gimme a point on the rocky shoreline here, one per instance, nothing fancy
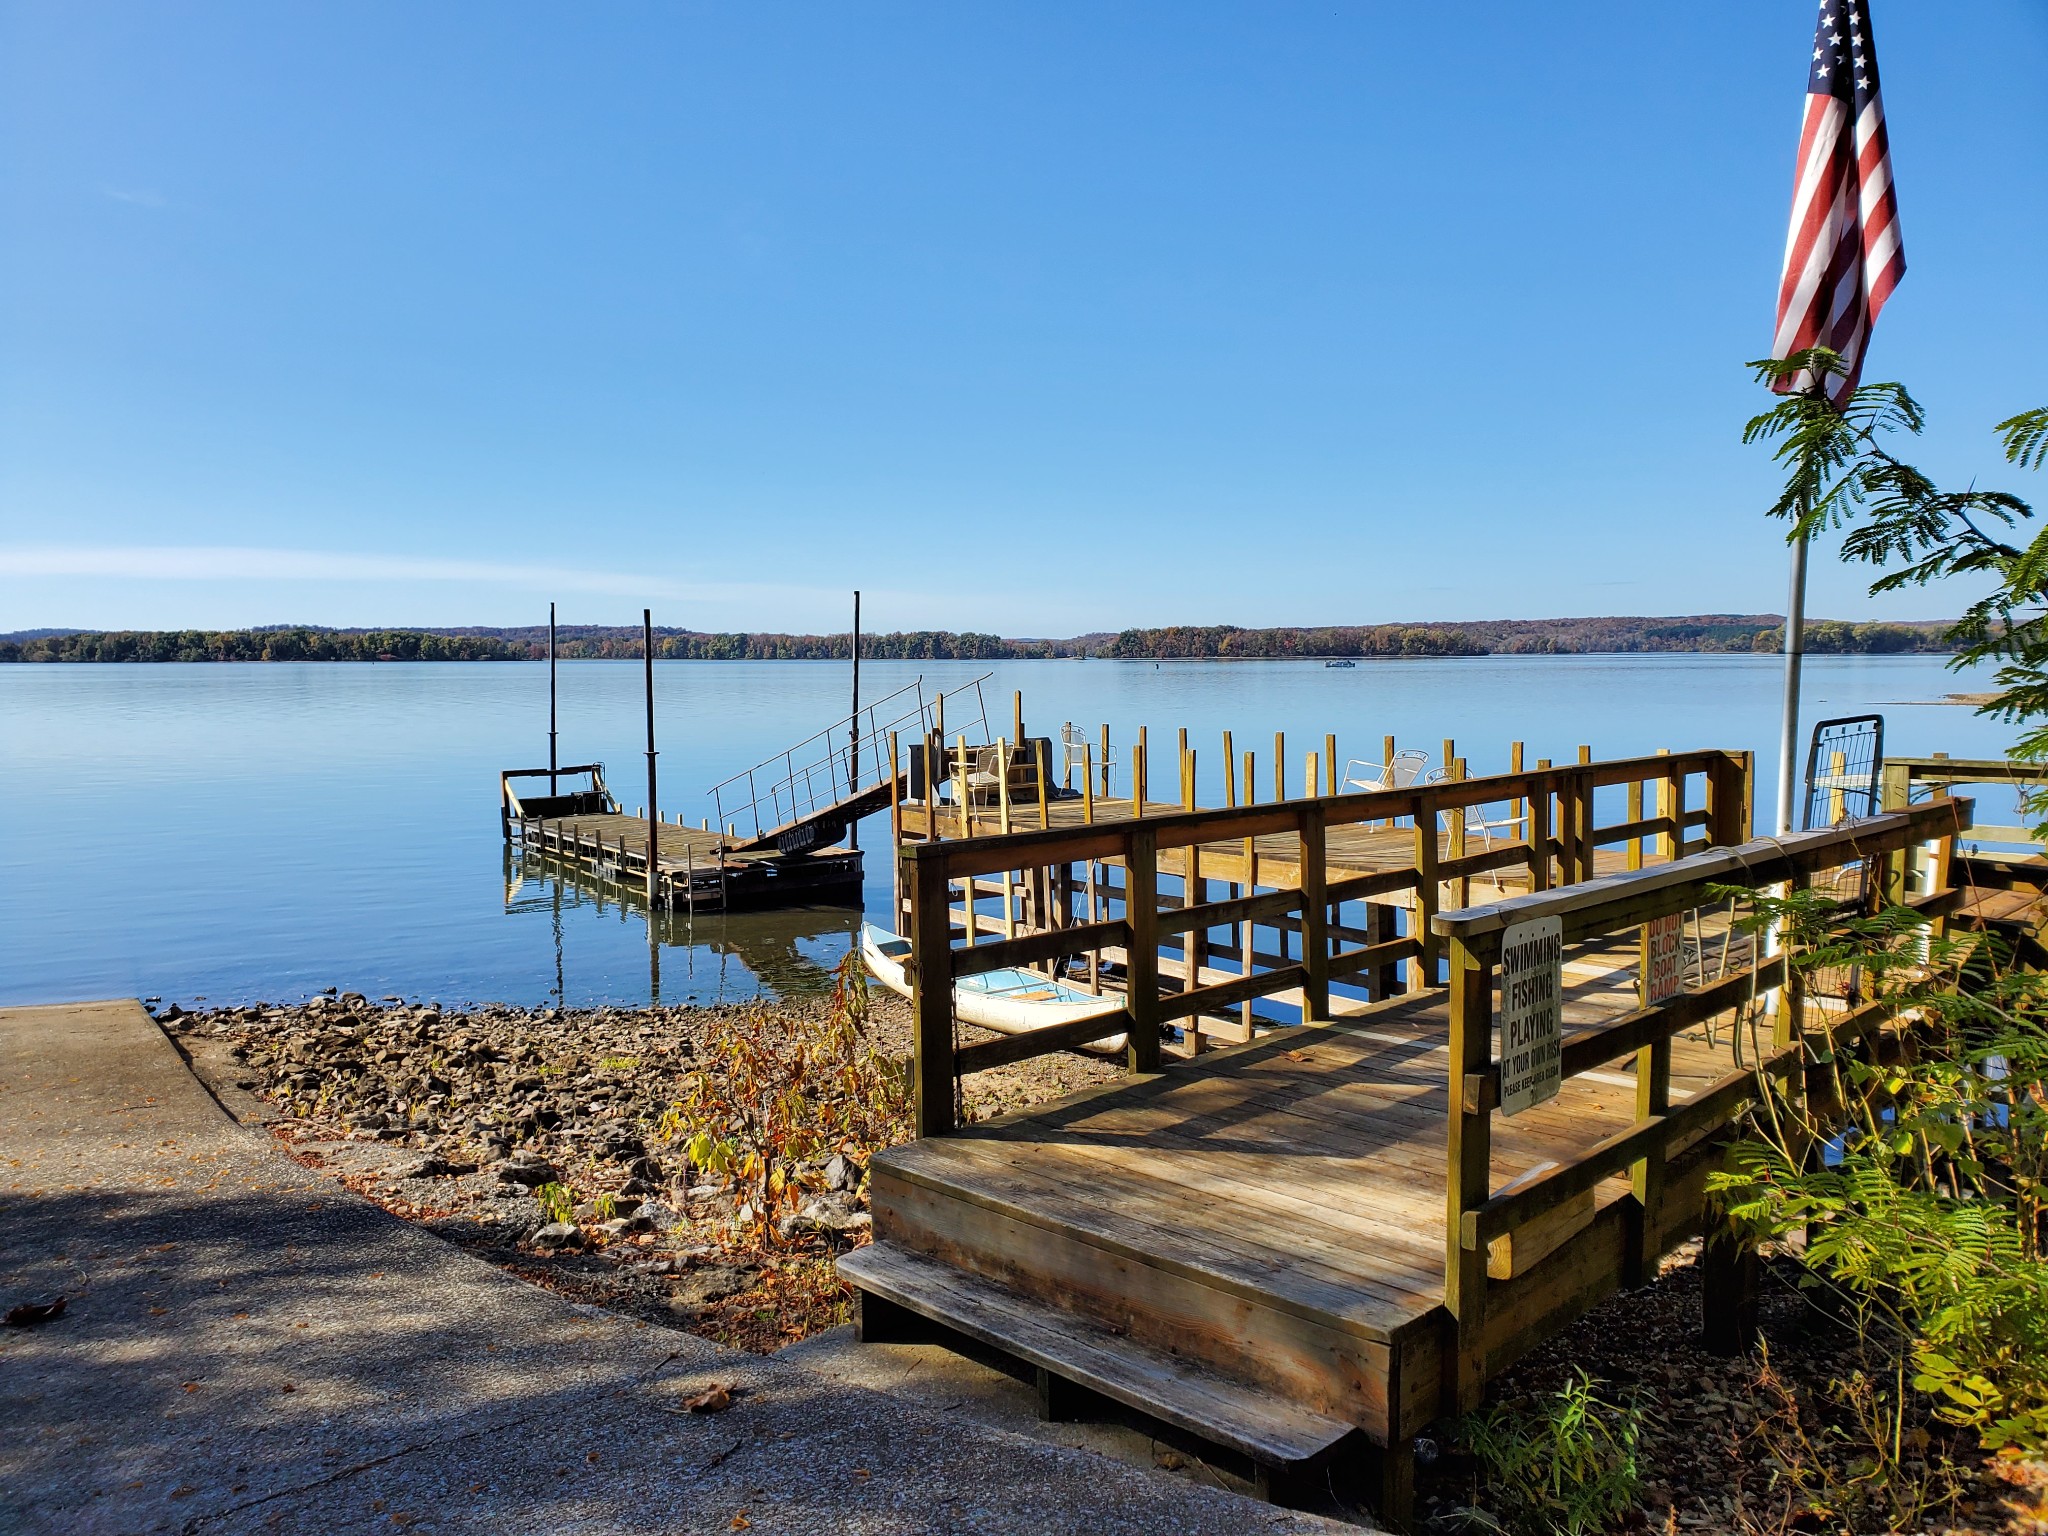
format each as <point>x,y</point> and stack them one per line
<point>543,1139</point>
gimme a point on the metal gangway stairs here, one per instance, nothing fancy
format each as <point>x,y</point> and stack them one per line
<point>812,794</point>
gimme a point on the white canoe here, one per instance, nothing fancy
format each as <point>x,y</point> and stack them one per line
<point>1010,1002</point>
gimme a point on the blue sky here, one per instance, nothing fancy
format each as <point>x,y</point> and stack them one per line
<point>1038,319</point>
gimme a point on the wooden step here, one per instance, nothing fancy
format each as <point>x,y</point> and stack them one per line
<point>1260,1425</point>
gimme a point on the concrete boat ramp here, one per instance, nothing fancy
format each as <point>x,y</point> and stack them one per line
<point>248,1347</point>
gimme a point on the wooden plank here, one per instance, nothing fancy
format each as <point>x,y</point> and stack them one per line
<point>1004,1049</point>
<point>1258,1424</point>
<point>1215,999</point>
<point>1029,948</point>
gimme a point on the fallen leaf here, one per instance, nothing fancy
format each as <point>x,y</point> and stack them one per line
<point>740,1522</point>
<point>715,1398</point>
<point>189,1386</point>
<point>1297,1055</point>
<point>289,1387</point>
<point>29,1313</point>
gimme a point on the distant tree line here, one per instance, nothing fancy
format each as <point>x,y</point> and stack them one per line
<point>1711,632</point>
<point>1227,641</point>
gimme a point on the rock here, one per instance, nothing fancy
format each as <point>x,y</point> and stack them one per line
<point>558,1234</point>
<point>645,1169</point>
<point>831,1215</point>
<point>711,1283</point>
<point>425,1168</point>
<point>531,1175</point>
<point>839,1173</point>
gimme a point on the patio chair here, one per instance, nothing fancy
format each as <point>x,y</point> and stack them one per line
<point>1075,752</point>
<point>1362,777</point>
<point>985,777</point>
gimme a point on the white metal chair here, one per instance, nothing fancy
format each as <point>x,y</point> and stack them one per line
<point>1076,752</point>
<point>985,778</point>
<point>1362,777</point>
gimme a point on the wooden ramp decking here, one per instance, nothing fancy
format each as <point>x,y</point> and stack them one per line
<point>1307,1247</point>
<point>1251,1245</point>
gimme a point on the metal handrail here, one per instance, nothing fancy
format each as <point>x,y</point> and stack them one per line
<point>794,791</point>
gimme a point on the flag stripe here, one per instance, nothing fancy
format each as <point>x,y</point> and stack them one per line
<point>1843,251</point>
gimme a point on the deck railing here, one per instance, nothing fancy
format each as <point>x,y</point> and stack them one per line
<point>1557,847</point>
<point>1665,1148</point>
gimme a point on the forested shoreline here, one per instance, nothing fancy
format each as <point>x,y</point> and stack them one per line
<point>1724,633</point>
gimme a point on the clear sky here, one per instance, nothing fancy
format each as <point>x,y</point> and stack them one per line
<point>1034,318</point>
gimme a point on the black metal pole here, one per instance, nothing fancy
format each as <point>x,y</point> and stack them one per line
<point>653,799</point>
<point>554,788</point>
<point>853,735</point>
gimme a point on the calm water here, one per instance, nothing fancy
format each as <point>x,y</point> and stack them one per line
<point>259,832</point>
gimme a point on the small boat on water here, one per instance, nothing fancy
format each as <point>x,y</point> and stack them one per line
<point>1009,1002</point>
<point>1340,662</point>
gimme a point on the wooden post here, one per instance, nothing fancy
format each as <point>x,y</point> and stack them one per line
<point>1017,717</point>
<point>1310,774</point>
<point>1330,763</point>
<point>1468,1183</point>
<point>1519,808</point>
<point>1635,813</point>
<point>1105,761</point>
<point>1003,824</point>
<point>1540,831</point>
<point>1248,930</point>
<point>1279,766</point>
<point>1187,779</point>
<point>960,767</point>
<point>1458,847</point>
<point>1088,820</point>
<point>1428,895</point>
<point>1229,773</point>
<point>1066,758</point>
<point>895,837</point>
<point>1140,785</point>
<point>1141,969</point>
<point>1728,1276</point>
<point>931,988</point>
<point>1315,913</point>
<point>1194,893</point>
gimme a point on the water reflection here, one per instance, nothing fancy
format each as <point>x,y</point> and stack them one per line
<point>707,957</point>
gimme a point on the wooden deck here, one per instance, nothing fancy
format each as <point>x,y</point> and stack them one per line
<point>1275,1210</point>
<point>1305,1248</point>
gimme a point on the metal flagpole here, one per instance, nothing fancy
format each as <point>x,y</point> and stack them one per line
<point>554,788</point>
<point>653,799</point>
<point>853,735</point>
<point>1795,653</point>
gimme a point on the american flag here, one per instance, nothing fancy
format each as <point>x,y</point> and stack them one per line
<point>1843,255</point>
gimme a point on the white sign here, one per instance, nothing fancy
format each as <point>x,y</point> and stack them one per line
<point>1663,958</point>
<point>1531,1012</point>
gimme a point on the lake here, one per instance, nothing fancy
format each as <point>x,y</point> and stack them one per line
<point>237,833</point>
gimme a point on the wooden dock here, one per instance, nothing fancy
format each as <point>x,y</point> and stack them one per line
<point>1303,1248</point>
<point>696,869</point>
